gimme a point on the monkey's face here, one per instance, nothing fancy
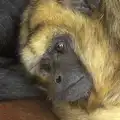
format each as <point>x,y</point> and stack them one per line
<point>69,79</point>
<point>52,52</point>
<point>65,74</point>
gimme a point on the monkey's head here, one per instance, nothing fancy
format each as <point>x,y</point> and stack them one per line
<point>59,67</point>
<point>62,48</point>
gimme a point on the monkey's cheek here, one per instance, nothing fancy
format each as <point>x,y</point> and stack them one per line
<point>79,91</point>
<point>45,77</point>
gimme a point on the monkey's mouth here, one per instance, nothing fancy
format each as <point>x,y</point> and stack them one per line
<point>79,90</point>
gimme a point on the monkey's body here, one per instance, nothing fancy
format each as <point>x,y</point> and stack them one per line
<point>42,21</point>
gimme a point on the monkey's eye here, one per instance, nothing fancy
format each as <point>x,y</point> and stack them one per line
<point>60,47</point>
<point>45,65</point>
<point>58,79</point>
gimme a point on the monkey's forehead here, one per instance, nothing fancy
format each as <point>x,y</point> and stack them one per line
<point>52,13</point>
<point>56,20</point>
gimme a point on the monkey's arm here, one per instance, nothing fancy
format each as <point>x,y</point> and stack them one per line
<point>107,113</point>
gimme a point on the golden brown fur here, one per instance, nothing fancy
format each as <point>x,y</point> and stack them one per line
<point>91,45</point>
<point>110,12</point>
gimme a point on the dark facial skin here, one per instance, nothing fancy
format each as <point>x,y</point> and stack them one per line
<point>85,6</point>
<point>69,79</point>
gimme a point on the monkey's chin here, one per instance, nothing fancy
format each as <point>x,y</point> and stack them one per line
<point>73,98</point>
<point>76,91</point>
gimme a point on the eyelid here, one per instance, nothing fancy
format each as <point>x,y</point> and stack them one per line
<point>45,64</point>
<point>60,47</point>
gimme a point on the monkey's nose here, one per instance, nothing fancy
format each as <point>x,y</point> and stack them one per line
<point>58,79</point>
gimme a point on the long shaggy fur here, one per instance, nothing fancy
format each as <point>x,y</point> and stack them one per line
<point>41,21</point>
<point>110,12</point>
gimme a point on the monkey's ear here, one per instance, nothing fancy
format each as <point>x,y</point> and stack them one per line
<point>85,6</point>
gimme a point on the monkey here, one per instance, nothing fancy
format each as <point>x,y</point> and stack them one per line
<point>57,104</point>
<point>71,114</point>
<point>55,42</point>
<point>10,12</point>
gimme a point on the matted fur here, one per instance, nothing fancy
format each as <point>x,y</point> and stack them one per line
<point>44,19</point>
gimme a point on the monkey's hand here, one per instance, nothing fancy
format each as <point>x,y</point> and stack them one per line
<point>66,112</point>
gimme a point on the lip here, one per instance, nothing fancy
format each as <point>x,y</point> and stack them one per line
<point>76,91</point>
<point>82,77</point>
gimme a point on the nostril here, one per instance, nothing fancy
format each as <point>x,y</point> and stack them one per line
<point>58,79</point>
